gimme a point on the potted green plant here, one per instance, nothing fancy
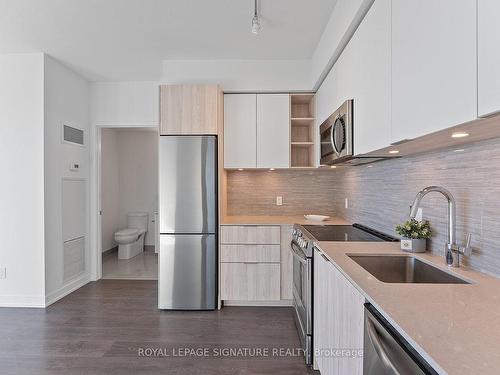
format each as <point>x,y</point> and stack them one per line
<point>414,235</point>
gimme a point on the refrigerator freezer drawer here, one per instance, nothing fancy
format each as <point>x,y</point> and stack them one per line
<point>187,272</point>
<point>188,184</point>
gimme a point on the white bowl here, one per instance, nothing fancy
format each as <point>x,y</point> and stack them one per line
<point>316,217</point>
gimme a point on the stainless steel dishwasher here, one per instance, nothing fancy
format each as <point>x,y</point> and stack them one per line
<point>386,352</point>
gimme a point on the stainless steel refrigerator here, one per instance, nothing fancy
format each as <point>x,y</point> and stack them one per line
<point>187,278</point>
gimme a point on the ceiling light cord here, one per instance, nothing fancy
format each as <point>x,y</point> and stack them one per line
<point>256,26</point>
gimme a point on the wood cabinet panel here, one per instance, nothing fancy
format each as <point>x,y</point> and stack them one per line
<point>250,234</point>
<point>250,253</point>
<point>286,262</point>
<point>250,281</point>
<point>338,320</point>
<point>189,109</point>
<point>346,304</point>
<point>320,312</point>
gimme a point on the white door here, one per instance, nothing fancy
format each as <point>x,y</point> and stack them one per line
<point>273,131</point>
<point>240,132</point>
<point>433,66</point>
<point>488,57</point>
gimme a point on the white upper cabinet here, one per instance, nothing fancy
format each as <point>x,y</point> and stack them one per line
<point>256,131</point>
<point>273,131</point>
<point>370,66</point>
<point>363,73</point>
<point>488,57</point>
<point>240,136</point>
<point>433,65</point>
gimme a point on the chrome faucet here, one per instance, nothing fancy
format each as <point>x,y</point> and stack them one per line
<point>452,250</point>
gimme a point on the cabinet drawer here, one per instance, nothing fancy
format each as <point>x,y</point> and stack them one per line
<point>250,281</point>
<point>250,253</point>
<point>250,234</point>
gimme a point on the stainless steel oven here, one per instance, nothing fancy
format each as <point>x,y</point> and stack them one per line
<point>302,297</point>
<point>336,135</point>
<point>302,246</point>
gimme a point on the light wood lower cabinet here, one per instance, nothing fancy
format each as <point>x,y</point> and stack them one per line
<point>250,234</point>
<point>338,320</point>
<point>250,253</point>
<point>256,263</point>
<point>250,281</point>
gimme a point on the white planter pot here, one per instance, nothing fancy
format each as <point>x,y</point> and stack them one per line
<point>414,245</point>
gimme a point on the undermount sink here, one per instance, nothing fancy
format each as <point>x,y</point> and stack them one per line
<point>404,269</point>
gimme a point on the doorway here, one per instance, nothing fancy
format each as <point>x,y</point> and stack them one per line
<point>128,201</point>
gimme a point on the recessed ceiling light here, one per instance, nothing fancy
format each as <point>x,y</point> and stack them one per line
<point>333,166</point>
<point>459,150</point>
<point>370,166</point>
<point>240,169</point>
<point>271,169</point>
<point>394,152</point>
<point>459,135</point>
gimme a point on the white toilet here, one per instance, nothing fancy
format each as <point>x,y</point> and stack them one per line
<point>131,240</point>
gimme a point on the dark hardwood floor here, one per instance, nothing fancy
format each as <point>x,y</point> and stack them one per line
<point>114,327</point>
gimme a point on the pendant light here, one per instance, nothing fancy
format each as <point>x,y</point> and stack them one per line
<point>256,26</point>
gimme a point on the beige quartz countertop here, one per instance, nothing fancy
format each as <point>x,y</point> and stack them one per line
<point>276,220</point>
<point>456,328</point>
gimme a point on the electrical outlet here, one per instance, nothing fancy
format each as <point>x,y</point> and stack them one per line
<point>279,200</point>
<point>3,273</point>
<point>347,203</point>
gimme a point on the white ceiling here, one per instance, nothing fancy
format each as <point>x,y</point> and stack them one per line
<point>128,39</point>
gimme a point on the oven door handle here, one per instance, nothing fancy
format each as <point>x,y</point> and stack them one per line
<point>297,253</point>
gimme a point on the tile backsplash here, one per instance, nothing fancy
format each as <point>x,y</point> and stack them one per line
<point>380,196</point>
<point>254,192</point>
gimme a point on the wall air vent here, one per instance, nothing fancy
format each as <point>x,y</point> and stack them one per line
<point>73,135</point>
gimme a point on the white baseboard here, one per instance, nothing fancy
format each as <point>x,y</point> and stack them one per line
<point>281,303</point>
<point>22,301</point>
<point>67,289</point>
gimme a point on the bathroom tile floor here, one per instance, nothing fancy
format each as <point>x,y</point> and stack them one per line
<point>141,267</point>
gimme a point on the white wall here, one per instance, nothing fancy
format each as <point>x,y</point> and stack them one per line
<point>110,200</point>
<point>22,186</point>
<point>66,102</point>
<point>129,170</point>
<point>124,103</point>
<point>241,75</point>
<point>344,20</point>
<point>115,105</point>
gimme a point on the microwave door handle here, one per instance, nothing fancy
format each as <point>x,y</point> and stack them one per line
<point>379,348</point>
<point>332,140</point>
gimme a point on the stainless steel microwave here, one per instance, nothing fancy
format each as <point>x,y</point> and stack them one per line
<point>336,135</point>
